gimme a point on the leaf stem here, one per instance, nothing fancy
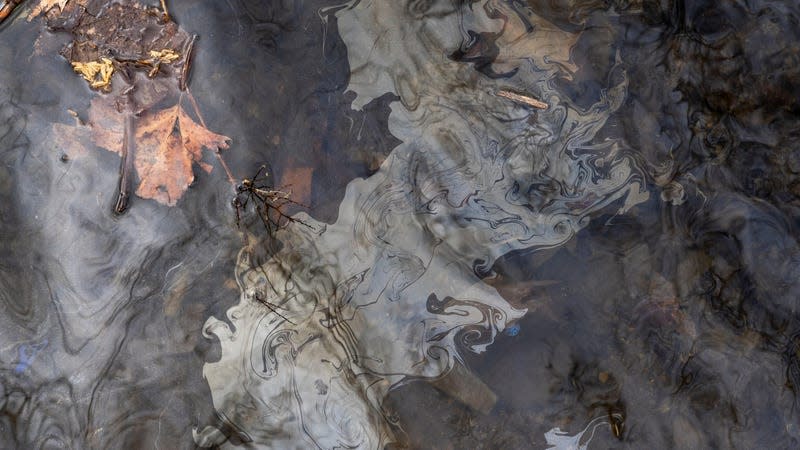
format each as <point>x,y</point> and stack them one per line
<point>126,169</point>
<point>166,12</point>
<point>203,123</point>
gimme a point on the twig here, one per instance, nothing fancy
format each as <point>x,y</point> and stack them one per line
<point>203,122</point>
<point>273,308</point>
<point>521,98</point>
<point>166,12</point>
<point>269,202</point>
<point>187,63</point>
<point>126,169</point>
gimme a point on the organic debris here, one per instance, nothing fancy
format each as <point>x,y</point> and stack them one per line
<point>521,98</point>
<point>96,73</point>
<point>168,143</point>
<point>269,201</point>
<point>132,36</point>
<point>139,60</point>
<point>7,7</point>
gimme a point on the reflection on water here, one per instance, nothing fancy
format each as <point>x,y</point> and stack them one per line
<point>618,269</point>
<point>381,297</point>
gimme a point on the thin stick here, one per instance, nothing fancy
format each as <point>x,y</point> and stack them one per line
<point>164,8</point>
<point>272,308</point>
<point>126,169</point>
<point>203,122</point>
<point>520,98</point>
<point>255,178</point>
<point>187,63</point>
<point>7,7</point>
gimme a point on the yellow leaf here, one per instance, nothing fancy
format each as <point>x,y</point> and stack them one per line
<point>96,73</point>
<point>165,56</point>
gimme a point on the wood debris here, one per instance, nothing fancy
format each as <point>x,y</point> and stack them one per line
<point>522,98</point>
<point>7,7</point>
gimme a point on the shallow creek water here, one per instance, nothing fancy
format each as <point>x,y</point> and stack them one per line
<point>617,270</point>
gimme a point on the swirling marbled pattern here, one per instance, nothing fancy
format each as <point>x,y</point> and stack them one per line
<point>392,290</point>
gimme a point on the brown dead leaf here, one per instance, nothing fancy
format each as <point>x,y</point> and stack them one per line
<point>168,142</point>
<point>129,34</point>
<point>106,124</point>
<point>149,56</point>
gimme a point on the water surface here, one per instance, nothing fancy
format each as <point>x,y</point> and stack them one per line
<point>476,274</point>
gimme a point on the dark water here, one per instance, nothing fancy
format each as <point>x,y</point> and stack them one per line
<point>652,239</point>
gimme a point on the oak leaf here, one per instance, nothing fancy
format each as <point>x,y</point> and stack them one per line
<point>168,143</point>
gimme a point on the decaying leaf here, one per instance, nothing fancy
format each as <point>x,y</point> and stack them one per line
<point>168,143</point>
<point>133,36</point>
<point>140,59</point>
<point>164,56</point>
<point>96,73</point>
